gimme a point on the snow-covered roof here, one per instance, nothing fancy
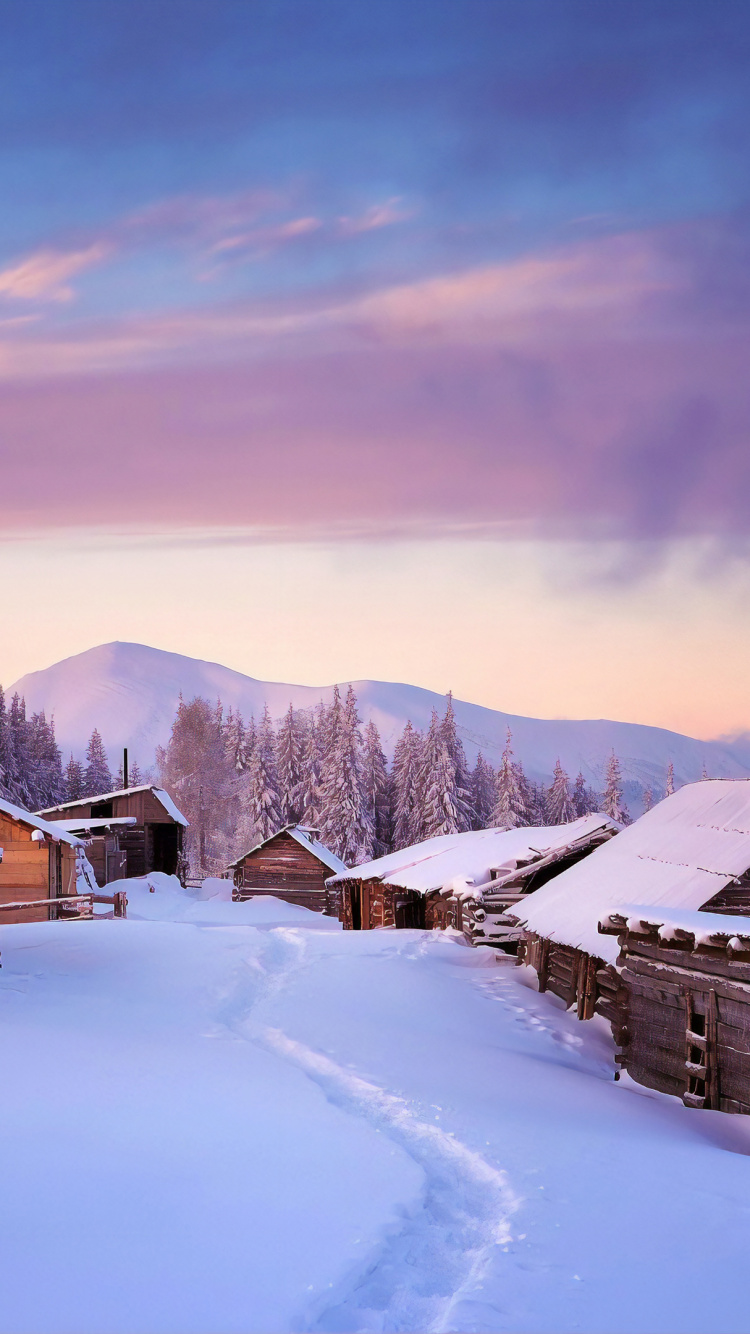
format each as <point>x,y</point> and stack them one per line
<point>52,829</point>
<point>94,823</point>
<point>438,862</point>
<point>158,792</point>
<point>304,837</point>
<point>705,928</point>
<point>678,855</point>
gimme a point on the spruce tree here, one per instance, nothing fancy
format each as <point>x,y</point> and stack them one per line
<point>290,748</point>
<point>510,808</point>
<point>75,779</point>
<point>648,799</point>
<point>9,786</point>
<point>98,776</point>
<point>346,825</point>
<point>439,808</point>
<point>312,762</point>
<point>19,731</point>
<point>377,790</point>
<point>560,808</point>
<point>263,786</point>
<point>404,782</point>
<point>612,804</point>
<point>670,780</point>
<point>44,763</point>
<point>483,797</point>
<point>461,794</point>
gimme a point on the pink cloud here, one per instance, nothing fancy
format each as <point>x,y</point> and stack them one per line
<point>43,275</point>
<point>378,215</point>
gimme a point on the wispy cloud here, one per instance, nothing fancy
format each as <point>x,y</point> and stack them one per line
<point>45,274</point>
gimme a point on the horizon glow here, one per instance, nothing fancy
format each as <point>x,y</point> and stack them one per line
<point>434,317</point>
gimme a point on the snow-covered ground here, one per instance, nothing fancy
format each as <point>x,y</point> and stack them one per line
<point>235,1117</point>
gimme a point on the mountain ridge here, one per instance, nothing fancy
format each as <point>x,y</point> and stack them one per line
<point>130,692</point>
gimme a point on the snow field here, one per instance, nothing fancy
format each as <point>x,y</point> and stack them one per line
<point>235,1117</point>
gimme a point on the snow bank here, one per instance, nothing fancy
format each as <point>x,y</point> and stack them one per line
<point>161,898</point>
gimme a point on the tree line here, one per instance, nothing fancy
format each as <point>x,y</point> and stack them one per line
<point>31,767</point>
<point>238,783</point>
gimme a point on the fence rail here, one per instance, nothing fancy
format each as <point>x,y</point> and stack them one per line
<point>118,901</point>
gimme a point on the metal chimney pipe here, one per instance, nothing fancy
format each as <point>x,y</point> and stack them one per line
<point>125,767</point>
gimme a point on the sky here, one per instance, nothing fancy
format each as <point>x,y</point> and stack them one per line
<point>399,341</point>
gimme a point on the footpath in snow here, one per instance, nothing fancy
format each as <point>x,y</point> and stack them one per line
<point>237,1117</point>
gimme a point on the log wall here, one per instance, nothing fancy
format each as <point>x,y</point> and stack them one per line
<point>284,868</point>
<point>569,973</point>
<point>688,1024</point>
<point>364,905</point>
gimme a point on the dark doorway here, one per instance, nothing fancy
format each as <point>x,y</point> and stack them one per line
<point>408,913</point>
<point>165,845</point>
<point>356,902</point>
<point>102,810</point>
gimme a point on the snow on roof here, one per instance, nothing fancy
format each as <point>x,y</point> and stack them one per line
<point>89,822</point>
<point>303,836</point>
<point>677,855</point>
<point>158,792</point>
<point>55,831</point>
<point>707,928</point>
<point>437,862</point>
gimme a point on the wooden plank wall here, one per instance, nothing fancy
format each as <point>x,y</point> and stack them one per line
<point>569,973</point>
<point>25,870</point>
<point>687,1007</point>
<point>283,867</point>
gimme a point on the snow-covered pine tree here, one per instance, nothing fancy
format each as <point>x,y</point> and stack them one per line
<point>346,826</point>
<point>439,805</point>
<point>75,779</point>
<point>19,730</point>
<point>9,787</point>
<point>44,762</point>
<point>648,798</point>
<point>613,804</point>
<point>560,808</point>
<point>98,774</point>
<point>483,792</point>
<point>510,809</point>
<point>670,780</point>
<point>263,781</point>
<point>461,796</point>
<point>290,748</point>
<point>312,761</point>
<point>704,773</point>
<point>404,781</point>
<point>580,795</point>
<point>377,790</point>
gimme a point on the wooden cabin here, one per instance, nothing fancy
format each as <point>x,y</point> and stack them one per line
<point>681,1020</point>
<point>461,881</point>
<point>290,865</point>
<point>690,852</point>
<point>39,863</point>
<point>133,831</point>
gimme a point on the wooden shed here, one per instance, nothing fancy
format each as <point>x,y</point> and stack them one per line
<point>464,881</point>
<point>681,1019</point>
<point>38,861</point>
<point>290,865</point>
<point>140,830</point>
<point>690,852</point>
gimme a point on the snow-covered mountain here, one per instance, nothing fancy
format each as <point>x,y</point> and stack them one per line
<point>130,692</point>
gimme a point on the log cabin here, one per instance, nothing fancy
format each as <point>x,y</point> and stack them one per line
<point>290,865</point>
<point>690,852</point>
<point>39,863</point>
<point>140,830</point>
<point>681,1018</point>
<point>462,881</point>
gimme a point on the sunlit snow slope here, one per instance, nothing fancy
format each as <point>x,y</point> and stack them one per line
<point>130,692</point>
